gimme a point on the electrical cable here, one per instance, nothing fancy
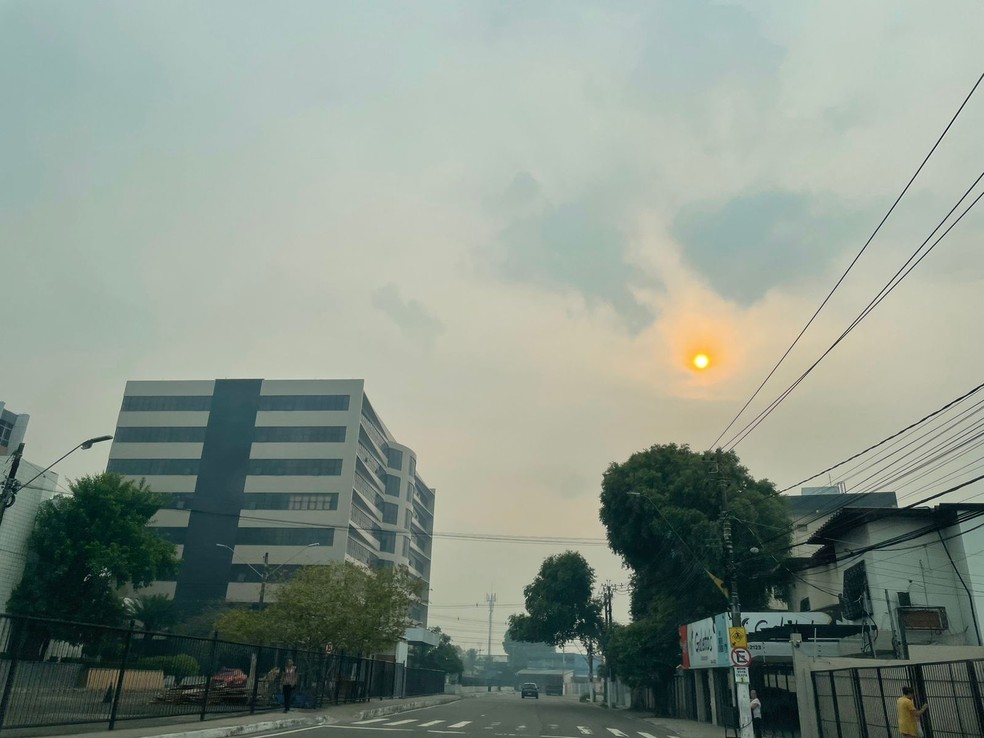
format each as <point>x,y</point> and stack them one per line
<point>853,261</point>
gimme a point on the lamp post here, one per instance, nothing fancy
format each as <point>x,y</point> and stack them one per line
<point>10,484</point>
<point>267,572</point>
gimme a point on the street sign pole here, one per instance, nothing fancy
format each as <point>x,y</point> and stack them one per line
<point>745,729</point>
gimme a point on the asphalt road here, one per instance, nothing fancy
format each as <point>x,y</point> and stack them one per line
<point>497,715</point>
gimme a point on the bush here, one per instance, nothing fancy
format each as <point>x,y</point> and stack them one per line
<point>179,666</point>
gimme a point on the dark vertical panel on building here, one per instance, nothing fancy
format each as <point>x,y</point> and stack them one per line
<point>219,493</point>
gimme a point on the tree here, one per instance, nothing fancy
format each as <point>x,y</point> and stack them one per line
<point>85,547</point>
<point>662,511</point>
<point>354,609</point>
<point>560,607</point>
<point>442,657</point>
<point>470,660</point>
<point>154,612</point>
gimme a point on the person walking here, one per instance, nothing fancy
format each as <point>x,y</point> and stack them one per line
<point>756,714</point>
<point>288,681</point>
<point>909,715</point>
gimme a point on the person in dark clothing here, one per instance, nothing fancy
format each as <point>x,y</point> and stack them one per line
<point>288,681</point>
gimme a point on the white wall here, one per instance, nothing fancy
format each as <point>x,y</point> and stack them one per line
<point>18,522</point>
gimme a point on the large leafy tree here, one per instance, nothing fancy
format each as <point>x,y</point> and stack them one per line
<point>662,509</point>
<point>85,547</point>
<point>443,657</point>
<point>342,604</point>
<point>560,606</point>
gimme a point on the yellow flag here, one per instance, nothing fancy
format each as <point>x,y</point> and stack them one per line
<point>719,583</point>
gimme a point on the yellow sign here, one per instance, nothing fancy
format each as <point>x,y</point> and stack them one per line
<point>738,637</point>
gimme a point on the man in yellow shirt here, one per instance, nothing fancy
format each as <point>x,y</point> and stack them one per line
<point>908,714</point>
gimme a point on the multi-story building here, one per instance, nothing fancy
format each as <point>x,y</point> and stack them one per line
<point>12,429</point>
<point>18,521</point>
<point>264,476</point>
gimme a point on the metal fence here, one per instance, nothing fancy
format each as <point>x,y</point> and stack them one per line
<point>62,673</point>
<point>862,702</point>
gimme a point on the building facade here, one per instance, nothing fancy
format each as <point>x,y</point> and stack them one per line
<point>18,520</point>
<point>265,476</point>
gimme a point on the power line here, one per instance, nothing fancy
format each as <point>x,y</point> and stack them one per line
<point>885,291</point>
<point>853,262</point>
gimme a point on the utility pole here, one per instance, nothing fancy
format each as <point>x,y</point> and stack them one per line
<point>490,599</point>
<point>264,576</point>
<point>745,729</point>
<point>10,486</point>
<point>606,591</point>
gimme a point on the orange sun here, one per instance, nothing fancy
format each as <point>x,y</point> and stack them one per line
<point>701,361</point>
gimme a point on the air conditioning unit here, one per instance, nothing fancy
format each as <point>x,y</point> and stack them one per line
<point>923,618</point>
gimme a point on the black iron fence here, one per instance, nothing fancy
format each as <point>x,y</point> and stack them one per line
<point>862,702</point>
<point>62,673</point>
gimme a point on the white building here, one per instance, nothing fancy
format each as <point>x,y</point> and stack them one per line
<point>18,520</point>
<point>906,576</point>
<point>264,476</point>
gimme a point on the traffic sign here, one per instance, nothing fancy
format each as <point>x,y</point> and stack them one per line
<point>741,657</point>
<point>741,675</point>
<point>738,637</point>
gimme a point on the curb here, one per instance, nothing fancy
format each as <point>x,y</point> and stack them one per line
<point>406,706</point>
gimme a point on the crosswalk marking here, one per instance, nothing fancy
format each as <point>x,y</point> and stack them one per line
<point>616,731</point>
<point>374,720</point>
<point>432,722</point>
<point>462,724</point>
<point>585,729</point>
<point>646,735</point>
<point>403,722</point>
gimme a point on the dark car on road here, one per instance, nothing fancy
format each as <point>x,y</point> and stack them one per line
<point>529,689</point>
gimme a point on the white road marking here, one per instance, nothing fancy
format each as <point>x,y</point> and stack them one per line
<point>520,727</point>
<point>432,722</point>
<point>586,730</point>
<point>297,730</point>
<point>403,722</point>
<point>462,724</point>
<point>448,732</point>
<point>356,727</point>
<point>616,731</point>
<point>374,720</point>
<point>646,735</point>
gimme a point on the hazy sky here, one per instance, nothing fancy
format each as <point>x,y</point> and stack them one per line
<point>516,220</point>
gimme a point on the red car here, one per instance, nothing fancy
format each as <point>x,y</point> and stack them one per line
<point>227,677</point>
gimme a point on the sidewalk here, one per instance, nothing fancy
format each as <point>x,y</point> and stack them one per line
<point>246,724</point>
<point>686,728</point>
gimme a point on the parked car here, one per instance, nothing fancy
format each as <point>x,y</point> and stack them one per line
<point>228,677</point>
<point>529,689</point>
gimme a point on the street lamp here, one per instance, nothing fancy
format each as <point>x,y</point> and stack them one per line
<point>11,486</point>
<point>267,573</point>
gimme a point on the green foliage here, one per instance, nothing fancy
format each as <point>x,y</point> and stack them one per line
<point>180,666</point>
<point>470,660</point>
<point>680,497</point>
<point>153,612</point>
<point>85,547</point>
<point>559,604</point>
<point>443,657</point>
<point>354,609</point>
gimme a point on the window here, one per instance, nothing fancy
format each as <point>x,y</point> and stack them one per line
<point>174,535</point>
<point>5,429</point>
<point>153,467</point>
<point>176,403</point>
<point>392,485</point>
<point>304,402</point>
<point>314,502</point>
<point>390,513</point>
<point>394,458</point>
<point>295,467</point>
<point>300,434</point>
<point>172,434</point>
<point>285,536</point>
<point>291,501</point>
<point>387,541</point>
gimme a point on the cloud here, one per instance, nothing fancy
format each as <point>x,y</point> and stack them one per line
<point>577,245</point>
<point>409,315</point>
<point>752,243</point>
